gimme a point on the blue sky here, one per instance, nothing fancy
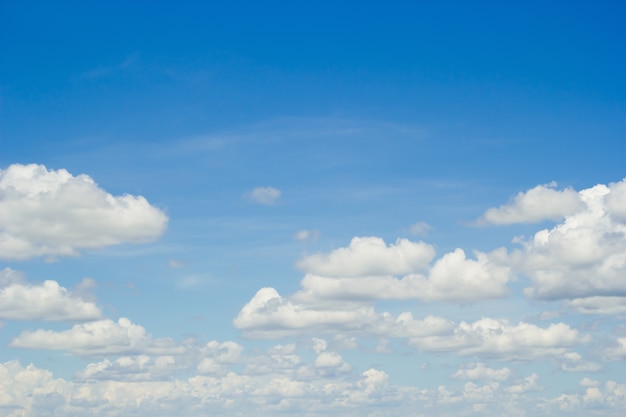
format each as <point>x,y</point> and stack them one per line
<point>341,208</point>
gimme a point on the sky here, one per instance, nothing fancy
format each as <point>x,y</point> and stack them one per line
<point>324,209</point>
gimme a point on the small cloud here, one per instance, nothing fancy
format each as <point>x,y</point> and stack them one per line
<point>304,234</point>
<point>420,228</point>
<point>267,196</point>
<point>175,263</point>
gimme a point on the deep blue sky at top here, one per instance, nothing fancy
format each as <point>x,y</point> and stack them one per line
<point>478,74</point>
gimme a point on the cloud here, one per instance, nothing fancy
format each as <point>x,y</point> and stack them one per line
<point>582,257</point>
<point>367,269</point>
<point>370,256</point>
<point>497,339</point>
<point>535,205</point>
<point>46,301</point>
<point>131,368</point>
<point>267,196</point>
<point>102,337</point>
<point>479,371</point>
<point>304,234</point>
<point>453,278</point>
<point>617,351</point>
<point>53,213</point>
<point>598,305</point>
<point>420,228</point>
<point>269,315</point>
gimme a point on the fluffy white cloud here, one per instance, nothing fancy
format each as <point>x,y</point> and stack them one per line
<point>537,204</point>
<point>583,257</point>
<point>51,213</point>
<point>456,278</point>
<point>102,337</point>
<point>45,301</point>
<point>132,368</point>
<point>477,371</point>
<point>217,356</point>
<point>368,269</point>
<point>28,391</point>
<point>269,315</point>
<point>497,339</point>
<point>267,196</point>
<point>366,256</point>
<point>452,278</point>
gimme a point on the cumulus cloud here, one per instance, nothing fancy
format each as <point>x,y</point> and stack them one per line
<point>453,278</point>
<point>267,196</point>
<point>20,300</point>
<point>53,213</point>
<point>269,315</point>
<point>101,337</point>
<point>497,339</point>
<point>131,368</point>
<point>537,204</point>
<point>582,258</point>
<point>110,391</point>
<point>370,256</point>
<point>369,269</point>
<point>478,371</point>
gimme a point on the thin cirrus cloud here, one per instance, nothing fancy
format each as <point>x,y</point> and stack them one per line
<point>53,213</point>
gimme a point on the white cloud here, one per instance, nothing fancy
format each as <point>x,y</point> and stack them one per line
<point>453,278</point>
<point>587,382</point>
<point>529,384</point>
<point>144,386</point>
<point>267,196</point>
<point>131,368</point>
<point>46,301</point>
<point>102,337</point>
<point>598,305</point>
<point>370,256</point>
<point>535,205</point>
<point>217,356</point>
<point>497,339</point>
<point>53,213</point>
<point>304,234</point>
<point>366,269</point>
<point>616,201</point>
<point>580,258</point>
<point>456,278</point>
<point>420,228</point>
<point>617,351</point>
<point>479,371</point>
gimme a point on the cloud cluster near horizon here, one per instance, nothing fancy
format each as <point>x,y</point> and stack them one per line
<point>579,261</point>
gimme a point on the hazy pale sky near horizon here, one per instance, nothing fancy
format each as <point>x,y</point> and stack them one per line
<point>325,209</point>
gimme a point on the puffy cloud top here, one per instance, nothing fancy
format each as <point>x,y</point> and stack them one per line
<point>51,213</point>
<point>370,256</point>
<point>540,203</point>
<point>45,301</point>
